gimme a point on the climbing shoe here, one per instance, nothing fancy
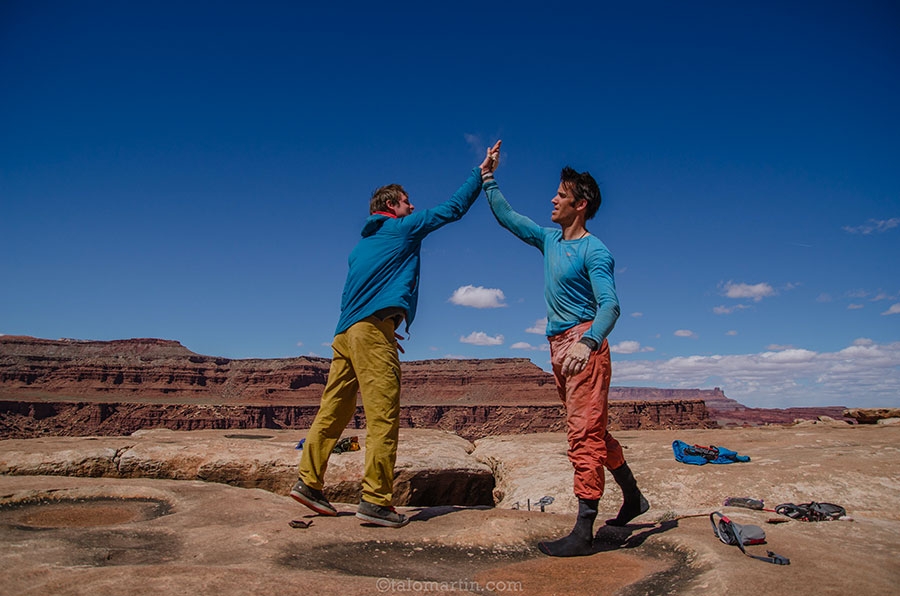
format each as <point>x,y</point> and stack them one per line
<point>312,498</point>
<point>381,516</point>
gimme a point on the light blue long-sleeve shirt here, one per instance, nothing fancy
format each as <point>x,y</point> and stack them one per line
<point>579,284</point>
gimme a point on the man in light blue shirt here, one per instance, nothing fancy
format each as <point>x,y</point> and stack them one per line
<point>582,308</point>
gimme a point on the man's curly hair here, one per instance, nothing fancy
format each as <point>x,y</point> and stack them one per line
<point>582,186</point>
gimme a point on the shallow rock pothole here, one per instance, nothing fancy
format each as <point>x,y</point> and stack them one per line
<point>98,531</point>
<point>402,560</point>
<point>41,514</point>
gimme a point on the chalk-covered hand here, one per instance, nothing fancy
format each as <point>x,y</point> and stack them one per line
<point>575,359</point>
<point>491,160</point>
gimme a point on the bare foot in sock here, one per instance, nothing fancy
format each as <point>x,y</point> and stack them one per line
<point>629,511</point>
<point>570,546</point>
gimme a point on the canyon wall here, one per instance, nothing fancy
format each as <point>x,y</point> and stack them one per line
<point>28,419</point>
<point>113,387</point>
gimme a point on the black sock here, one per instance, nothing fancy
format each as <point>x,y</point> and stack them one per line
<point>581,539</point>
<point>634,503</point>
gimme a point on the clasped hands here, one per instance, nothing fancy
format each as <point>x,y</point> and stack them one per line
<point>491,160</point>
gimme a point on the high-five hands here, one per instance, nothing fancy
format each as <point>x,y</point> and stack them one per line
<point>491,159</point>
<point>575,359</point>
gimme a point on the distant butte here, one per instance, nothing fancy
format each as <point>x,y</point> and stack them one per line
<point>79,387</point>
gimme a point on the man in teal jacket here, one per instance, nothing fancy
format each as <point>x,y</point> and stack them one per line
<point>582,308</point>
<point>380,293</point>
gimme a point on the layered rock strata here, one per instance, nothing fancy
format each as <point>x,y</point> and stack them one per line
<point>164,371</point>
<point>24,419</point>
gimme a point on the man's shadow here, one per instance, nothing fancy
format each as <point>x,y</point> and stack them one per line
<point>426,513</point>
<point>609,538</point>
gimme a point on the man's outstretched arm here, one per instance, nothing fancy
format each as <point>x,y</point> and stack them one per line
<point>523,227</point>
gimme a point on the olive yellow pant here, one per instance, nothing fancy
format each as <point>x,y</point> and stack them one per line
<point>365,360</point>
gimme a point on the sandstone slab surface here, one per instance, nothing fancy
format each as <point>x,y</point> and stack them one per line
<point>132,535</point>
<point>432,466</point>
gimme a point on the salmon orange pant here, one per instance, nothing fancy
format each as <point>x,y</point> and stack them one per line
<point>365,360</point>
<point>585,395</point>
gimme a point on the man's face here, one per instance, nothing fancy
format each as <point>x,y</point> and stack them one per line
<point>401,208</point>
<point>564,206</point>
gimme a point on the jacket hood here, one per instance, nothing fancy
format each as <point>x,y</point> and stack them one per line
<point>373,224</point>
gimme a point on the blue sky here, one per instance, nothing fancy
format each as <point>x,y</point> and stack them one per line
<point>200,172</point>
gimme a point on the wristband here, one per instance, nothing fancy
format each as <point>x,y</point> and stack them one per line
<point>593,344</point>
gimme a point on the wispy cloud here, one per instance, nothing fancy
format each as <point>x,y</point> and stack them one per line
<point>873,226</point>
<point>539,327</point>
<point>731,332</point>
<point>480,338</point>
<point>727,310</point>
<point>864,374</point>
<point>685,333</point>
<point>629,347</point>
<point>755,292</point>
<point>855,306</point>
<point>475,143</point>
<point>478,297</point>
<point>524,345</point>
<point>893,310</point>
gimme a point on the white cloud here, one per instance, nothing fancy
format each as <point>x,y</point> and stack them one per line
<point>685,333</point>
<point>873,226</point>
<point>824,297</point>
<point>855,306</point>
<point>480,338</point>
<point>299,344</point>
<point>629,347</point>
<point>637,315</point>
<point>865,374</point>
<point>524,345</point>
<point>727,310</point>
<point>478,297</point>
<point>755,292</point>
<point>777,347</point>
<point>893,310</point>
<point>539,327</point>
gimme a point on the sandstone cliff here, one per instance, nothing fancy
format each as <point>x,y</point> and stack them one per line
<point>80,387</point>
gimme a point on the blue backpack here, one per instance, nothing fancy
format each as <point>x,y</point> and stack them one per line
<point>701,454</point>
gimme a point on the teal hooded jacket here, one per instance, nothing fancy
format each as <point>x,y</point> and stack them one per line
<point>384,265</point>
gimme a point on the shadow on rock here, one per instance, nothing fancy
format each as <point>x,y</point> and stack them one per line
<point>428,513</point>
<point>610,538</point>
